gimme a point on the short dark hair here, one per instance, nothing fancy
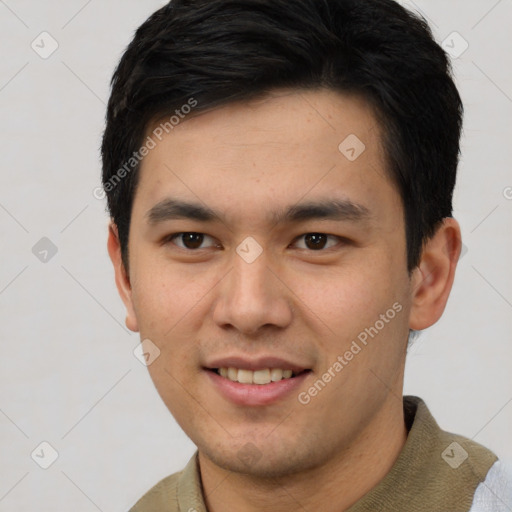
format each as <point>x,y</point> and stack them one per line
<point>221,51</point>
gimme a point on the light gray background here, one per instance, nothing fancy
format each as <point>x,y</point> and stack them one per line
<point>67,371</point>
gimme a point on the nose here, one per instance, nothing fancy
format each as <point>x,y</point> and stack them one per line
<point>251,297</point>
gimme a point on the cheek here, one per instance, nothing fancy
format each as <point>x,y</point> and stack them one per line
<point>166,294</point>
<point>347,299</point>
<point>172,303</point>
<point>168,303</point>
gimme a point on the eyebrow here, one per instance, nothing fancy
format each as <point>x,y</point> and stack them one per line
<point>329,209</point>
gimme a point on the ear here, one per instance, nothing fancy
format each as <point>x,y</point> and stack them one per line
<point>432,279</point>
<point>122,280</point>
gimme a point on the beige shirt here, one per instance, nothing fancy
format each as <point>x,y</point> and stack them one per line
<point>436,471</point>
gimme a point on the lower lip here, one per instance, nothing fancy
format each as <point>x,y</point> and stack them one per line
<point>256,394</point>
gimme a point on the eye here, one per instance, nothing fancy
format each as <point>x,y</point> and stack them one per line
<point>190,240</point>
<point>318,241</point>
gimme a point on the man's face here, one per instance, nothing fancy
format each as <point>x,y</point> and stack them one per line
<point>256,289</point>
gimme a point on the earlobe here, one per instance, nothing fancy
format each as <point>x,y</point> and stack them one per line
<point>432,280</point>
<point>122,279</point>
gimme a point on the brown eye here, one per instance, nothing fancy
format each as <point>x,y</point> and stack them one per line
<point>317,241</point>
<point>189,240</point>
<point>192,240</point>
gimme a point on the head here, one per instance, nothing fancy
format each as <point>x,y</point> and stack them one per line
<point>309,155</point>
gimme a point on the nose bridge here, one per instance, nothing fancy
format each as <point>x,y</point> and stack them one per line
<point>251,296</point>
<point>250,281</point>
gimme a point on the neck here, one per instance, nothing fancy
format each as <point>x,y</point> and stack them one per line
<point>332,487</point>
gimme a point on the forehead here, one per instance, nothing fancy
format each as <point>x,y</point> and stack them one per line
<point>280,117</point>
<point>276,149</point>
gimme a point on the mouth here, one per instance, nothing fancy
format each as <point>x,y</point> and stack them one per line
<point>257,386</point>
<point>260,377</point>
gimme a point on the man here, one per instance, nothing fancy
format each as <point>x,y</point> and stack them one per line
<point>280,177</point>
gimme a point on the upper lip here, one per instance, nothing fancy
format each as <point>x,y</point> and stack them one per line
<point>258,363</point>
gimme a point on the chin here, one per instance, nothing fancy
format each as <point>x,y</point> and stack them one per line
<point>268,462</point>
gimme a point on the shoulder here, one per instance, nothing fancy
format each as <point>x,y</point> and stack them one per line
<point>455,450</point>
<point>160,498</point>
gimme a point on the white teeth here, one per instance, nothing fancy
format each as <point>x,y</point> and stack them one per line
<point>245,376</point>
<point>261,376</point>
<point>276,374</point>
<point>257,377</point>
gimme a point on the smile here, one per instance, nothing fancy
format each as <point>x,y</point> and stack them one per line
<point>249,388</point>
<point>260,377</point>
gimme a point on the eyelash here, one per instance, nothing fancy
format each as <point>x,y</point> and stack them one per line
<point>170,238</point>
